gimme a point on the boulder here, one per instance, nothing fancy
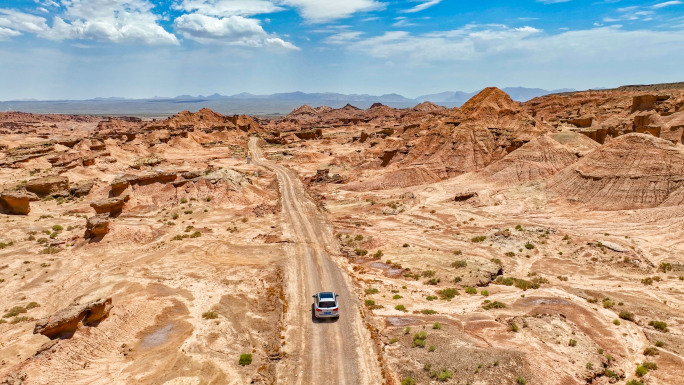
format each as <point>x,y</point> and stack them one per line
<point>97,226</point>
<point>64,323</point>
<point>82,188</point>
<point>88,161</point>
<point>310,135</point>
<point>191,174</point>
<point>110,206</point>
<point>16,202</point>
<point>51,185</point>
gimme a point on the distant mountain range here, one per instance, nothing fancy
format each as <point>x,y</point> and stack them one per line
<point>246,103</point>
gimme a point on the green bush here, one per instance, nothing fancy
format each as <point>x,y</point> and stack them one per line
<point>572,343</point>
<point>400,308</point>
<point>393,340</point>
<point>494,305</point>
<point>616,322</point>
<point>650,351</point>
<point>449,293</point>
<point>634,382</point>
<point>641,371</point>
<point>437,325</point>
<point>32,305</point>
<point>529,246</point>
<point>647,281</point>
<point>370,303</point>
<point>470,290</point>
<point>459,264</point>
<point>660,343</point>
<point>372,290</point>
<point>408,381</point>
<point>660,325</point>
<point>14,311</point>
<point>428,311</point>
<point>57,228</point>
<point>245,359</point>
<point>210,315</point>
<point>650,365</point>
<point>444,375</point>
<point>484,293</point>
<point>520,381</point>
<point>514,327</point>
<point>478,239</point>
<point>397,296</point>
<point>625,315</point>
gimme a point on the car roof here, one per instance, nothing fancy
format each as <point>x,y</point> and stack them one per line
<point>326,295</point>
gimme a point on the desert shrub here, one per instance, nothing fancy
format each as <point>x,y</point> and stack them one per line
<point>494,305</point>
<point>444,375</point>
<point>210,315</point>
<point>431,298</point>
<point>514,327</point>
<point>433,281</point>
<point>611,374</point>
<point>572,343</point>
<point>518,227</point>
<point>562,278</point>
<point>177,238</point>
<point>183,200</point>
<point>432,348</point>
<point>393,340</point>
<point>407,330</point>
<point>647,281</point>
<point>497,261</point>
<point>660,325</point>
<point>478,239</point>
<point>408,381</point>
<point>525,285</point>
<point>448,293</point>
<point>378,254</point>
<point>458,252</point>
<point>634,382</point>
<point>360,252</point>
<point>245,359</point>
<point>175,216</point>
<point>418,343</point>
<point>459,264</point>
<point>510,254</point>
<point>625,315</point>
<point>10,243</point>
<point>196,234</point>
<point>504,281</point>
<point>397,296</point>
<point>16,320</point>
<point>16,310</point>
<point>520,381</point>
<point>400,308</point>
<point>428,311</point>
<point>484,293</point>
<point>529,246</point>
<point>607,303</point>
<point>57,228</point>
<point>650,365</point>
<point>32,305</point>
<point>50,250</point>
<point>660,343</point>
<point>470,290</point>
<point>665,267</point>
<point>370,303</point>
<point>428,273</point>
<point>616,322</point>
<point>405,245</point>
<point>372,290</point>
<point>641,371</point>
<point>650,351</point>
<point>437,325</point>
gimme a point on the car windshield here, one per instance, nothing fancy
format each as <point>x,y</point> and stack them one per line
<point>326,304</point>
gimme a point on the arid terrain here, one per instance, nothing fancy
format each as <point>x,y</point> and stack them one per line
<point>494,243</point>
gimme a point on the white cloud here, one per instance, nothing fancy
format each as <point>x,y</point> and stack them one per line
<point>6,33</point>
<point>103,20</point>
<point>474,44</point>
<point>343,38</point>
<point>319,11</point>
<point>228,7</point>
<point>422,6</point>
<point>667,4</point>
<point>231,30</point>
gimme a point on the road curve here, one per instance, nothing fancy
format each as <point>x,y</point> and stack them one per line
<point>327,352</point>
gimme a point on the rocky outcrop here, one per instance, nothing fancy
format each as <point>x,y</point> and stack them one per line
<point>97,226</point>
<point>309,135</point>
<point>66,322</point>
<point>111,206</point>
<point>632,171</point>
<point>577,143</point>
<point>49,186</point>
<point>82,188</point>
<point>16,202</point>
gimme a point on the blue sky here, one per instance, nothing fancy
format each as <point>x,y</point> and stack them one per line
<point>73,49</point>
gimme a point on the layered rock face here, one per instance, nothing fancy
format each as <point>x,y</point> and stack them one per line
<point>49,186</point>
<point>633,171</point>
<point>539,159</point>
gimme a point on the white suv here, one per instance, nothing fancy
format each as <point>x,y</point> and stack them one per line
<point>325,305</point>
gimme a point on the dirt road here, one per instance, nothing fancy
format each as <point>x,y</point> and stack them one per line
<point>318,352</point>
